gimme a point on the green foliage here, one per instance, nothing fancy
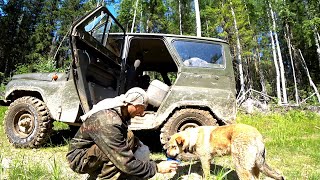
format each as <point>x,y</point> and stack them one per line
<point>40,66</point>
<point>2,112</point>
<point>152,19</point>
<point>287,134</point>
<point>59,126</point>
<point>23,170</point>
<point>188,22</point>
<point>1,168</point>
<point>32,30</point>
<point>307,96</point>
<point>290,134</point>
<point>47,66</point>
<point>222,174</point>
<point>56,170</point>
<point>3,82</point>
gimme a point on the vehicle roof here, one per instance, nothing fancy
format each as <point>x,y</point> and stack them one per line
<point>172,35</point>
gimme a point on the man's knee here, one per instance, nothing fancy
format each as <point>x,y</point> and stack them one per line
<point>87,161</point>
<point>142,153</point>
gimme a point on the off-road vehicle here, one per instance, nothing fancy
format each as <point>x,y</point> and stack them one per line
<point>192,81</point>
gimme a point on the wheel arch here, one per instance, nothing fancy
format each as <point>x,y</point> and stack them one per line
<point>18,93</point>
<point>15,94</point>
<point>178,106</point>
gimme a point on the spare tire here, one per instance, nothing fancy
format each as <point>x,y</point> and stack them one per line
<point>182,120</point>
<point>27,122</point>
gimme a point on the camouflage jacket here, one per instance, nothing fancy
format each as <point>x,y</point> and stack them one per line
<point>108,130</point>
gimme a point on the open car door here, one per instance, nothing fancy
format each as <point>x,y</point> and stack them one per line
<point>96,56</point>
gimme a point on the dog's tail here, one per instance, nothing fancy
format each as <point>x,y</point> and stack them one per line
<point>264,167</point>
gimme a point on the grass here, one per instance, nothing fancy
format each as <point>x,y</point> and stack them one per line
<point>47,163</point>
<point>292,141</point>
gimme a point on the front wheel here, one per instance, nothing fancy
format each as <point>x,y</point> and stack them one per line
<point>27,122</point>
<point>184,119</point>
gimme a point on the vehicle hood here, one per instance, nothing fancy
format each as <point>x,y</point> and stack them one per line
<point>37,76</point>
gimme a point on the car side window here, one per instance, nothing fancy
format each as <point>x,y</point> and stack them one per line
<point>200,53</point>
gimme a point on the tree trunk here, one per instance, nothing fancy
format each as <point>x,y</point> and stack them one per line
<point>288,38</point>
<point>6,68</point>
<point>317,40</point>
<point>276,67</point>
<point>147,26</point>
<point>140,23</point>
<point>134,15</point>
<point>283,79</point>
<point>242,86</point>
<point>262,80</point>
<point>198,22</point>
<point>180,19</point>
<point>207,28</point>
<point>308,74</point>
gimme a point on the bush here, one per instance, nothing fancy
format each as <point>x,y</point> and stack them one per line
<point>43,65</point>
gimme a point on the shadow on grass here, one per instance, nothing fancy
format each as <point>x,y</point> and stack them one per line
<point>60,137</point>
<point>196,168</point>
<point>151,138</point>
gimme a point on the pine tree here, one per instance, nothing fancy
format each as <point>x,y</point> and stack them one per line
<point>16,28</point>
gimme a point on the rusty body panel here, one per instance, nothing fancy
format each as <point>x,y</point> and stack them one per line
<point>60,96</point>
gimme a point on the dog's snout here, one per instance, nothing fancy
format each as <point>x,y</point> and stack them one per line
<point>168,155</point>
<point>165,147</point>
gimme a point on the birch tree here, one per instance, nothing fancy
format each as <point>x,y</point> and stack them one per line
<point>180,20</point>
<point>242,85</point>
<point>288,38</point>
<point>309,77</point>
<point>198,22</point>
<point>275,60</point>
<point>281,67</point>
<point>276,68</point>
<point>181,17</point>
<point>287,17</point>
<point>134,15</point>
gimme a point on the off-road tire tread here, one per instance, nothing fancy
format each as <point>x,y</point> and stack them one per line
<point>207,120</point>
<point>44,122</point>
<point>165,130</point>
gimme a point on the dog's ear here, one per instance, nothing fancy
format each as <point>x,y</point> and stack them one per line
<point>179,140</point>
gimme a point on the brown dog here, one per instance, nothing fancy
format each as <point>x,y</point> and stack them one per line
<point>243,142</point>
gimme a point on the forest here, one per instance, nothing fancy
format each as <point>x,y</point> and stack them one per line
<point>275,44</point>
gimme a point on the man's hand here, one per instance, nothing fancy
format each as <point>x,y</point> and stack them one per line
<point>167,166</point>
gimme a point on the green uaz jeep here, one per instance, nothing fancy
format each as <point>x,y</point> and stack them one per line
<point>190,81</point>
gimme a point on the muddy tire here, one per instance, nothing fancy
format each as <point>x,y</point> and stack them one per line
<point>27,122</point>
<point>182,120</point>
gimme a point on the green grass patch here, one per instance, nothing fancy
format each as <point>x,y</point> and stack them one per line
<point>59,126</point>
<point>27,170</point>
<point>292,142</point>
<point>2,112</point>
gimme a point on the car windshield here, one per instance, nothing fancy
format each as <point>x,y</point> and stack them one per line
<point>200,53</point>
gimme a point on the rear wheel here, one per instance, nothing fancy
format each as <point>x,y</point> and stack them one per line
<point>184,119</point>
<point>27,122</point>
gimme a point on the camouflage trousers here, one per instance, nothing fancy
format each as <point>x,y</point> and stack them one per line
<point>96,163</point>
